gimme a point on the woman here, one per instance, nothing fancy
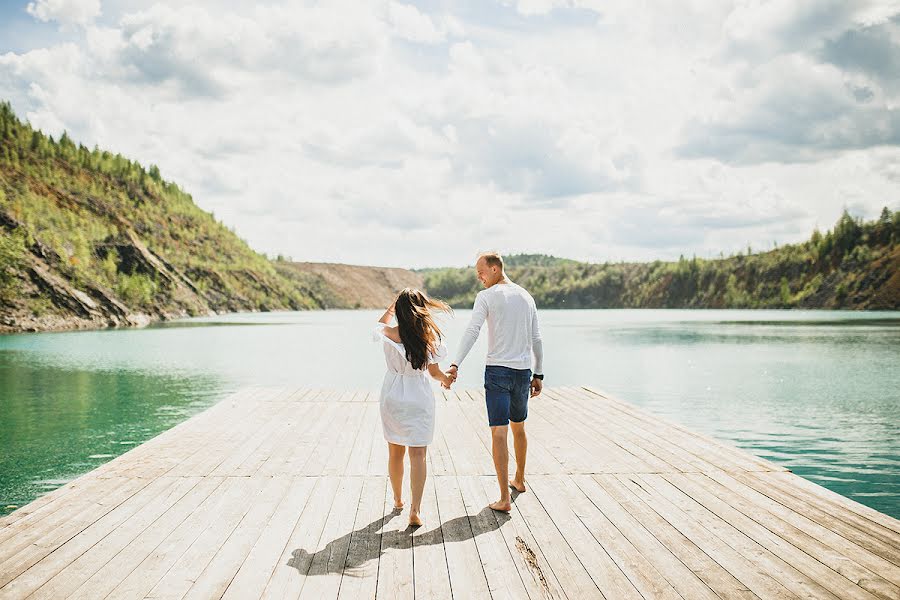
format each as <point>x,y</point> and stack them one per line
<point>412,350</point>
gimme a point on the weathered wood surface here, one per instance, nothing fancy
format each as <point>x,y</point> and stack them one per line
<point>282,493</point>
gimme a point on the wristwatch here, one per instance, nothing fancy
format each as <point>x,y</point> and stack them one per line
<point>541,377</point>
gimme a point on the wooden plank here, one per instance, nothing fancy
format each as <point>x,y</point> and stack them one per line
<point>794,515</point>
<point>813,568</point>
<point>240,494</point>
<point>177,452</point>
<point>702,565</point>
<point>788,483</point>
<point>253,574</point>
<point>793,568</point>
<point>146,575</point>
<point>640,551</point>
<point>292,566</point>
<point>759,580</point>
<point>500,570</point>
<point>76,520</point>
<point>643,432</point>
<point>845,558</point>
<point>395,569</point>
<point>430,577</point>
<point>279,421</point>
<point>369,433</point>
<point>652,433</point>
<point>606,574</point>
<point>535,572</point>
<point>562,560</point>
<point>596,452</point>
<point>326,565</point>
<point>42,505</point>
<point>360,576</point>
<point>706,446</point>
<point>616,566</point>
<point>464,566</point>
<point>62,557</point>
<point>290,454</point>
<point>342,449</point>
<point>118,570</point>
<point>48,517</point>
<point>861,509</point>
<point>217,575</point>
<point>469,448</point>
<point>832,521</point>
<point>126,559</point>
<point>439,453</point>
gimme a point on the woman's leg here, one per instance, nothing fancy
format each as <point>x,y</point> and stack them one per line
<point>417,475</point>
<point>395,470</point>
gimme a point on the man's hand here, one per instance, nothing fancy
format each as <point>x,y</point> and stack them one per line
<point>536,386</point>
<point>453,373</point>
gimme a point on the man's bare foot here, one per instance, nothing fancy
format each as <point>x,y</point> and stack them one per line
<point>501,506</point>
<point>414,519</point>
<point>517,485</point>
<point>398,504</point>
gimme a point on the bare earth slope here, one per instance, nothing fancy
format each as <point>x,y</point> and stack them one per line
<point>353,286</point>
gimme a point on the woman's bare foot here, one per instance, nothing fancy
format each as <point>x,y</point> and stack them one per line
<point>414,519</point>
<point>501,506</point>
<point>519,486</point>
<point>398,504</point>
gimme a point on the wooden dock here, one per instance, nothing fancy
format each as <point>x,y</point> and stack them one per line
<point>281,493</point>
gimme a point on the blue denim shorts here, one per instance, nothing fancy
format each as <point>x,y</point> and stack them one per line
<point>506,393</point>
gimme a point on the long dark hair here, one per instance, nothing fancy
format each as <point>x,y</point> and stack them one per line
<point>418,331</point>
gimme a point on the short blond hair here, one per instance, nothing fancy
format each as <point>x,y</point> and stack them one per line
<point>493,259</point>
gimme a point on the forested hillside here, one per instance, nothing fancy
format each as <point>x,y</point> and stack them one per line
<point>855,265</point>
<point>93,239</point>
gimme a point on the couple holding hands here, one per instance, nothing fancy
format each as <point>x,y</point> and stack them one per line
<point>413,349</point>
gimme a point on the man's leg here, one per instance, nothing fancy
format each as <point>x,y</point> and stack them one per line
<point>520,442</point>
<point>500,451</point>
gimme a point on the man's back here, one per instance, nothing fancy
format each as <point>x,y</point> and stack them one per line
<point>511,316</point>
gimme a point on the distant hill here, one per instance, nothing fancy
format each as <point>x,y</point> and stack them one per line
<point>854,266</point>
<point>92,239</point>
<point>351,286</point>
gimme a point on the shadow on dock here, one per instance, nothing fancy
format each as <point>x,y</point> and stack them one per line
<point>368,543</point>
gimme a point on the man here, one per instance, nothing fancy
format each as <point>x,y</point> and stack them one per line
<point>513,336</point>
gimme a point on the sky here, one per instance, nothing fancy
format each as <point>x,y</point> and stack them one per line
<point>417,134</point>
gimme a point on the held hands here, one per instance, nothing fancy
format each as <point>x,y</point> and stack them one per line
<point>450,377</point>
<point>536,387</point>
<point>446,381</point>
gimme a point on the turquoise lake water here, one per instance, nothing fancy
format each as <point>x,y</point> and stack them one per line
<point>817,392</point>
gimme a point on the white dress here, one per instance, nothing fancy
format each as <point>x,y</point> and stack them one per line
<point>407,399</point>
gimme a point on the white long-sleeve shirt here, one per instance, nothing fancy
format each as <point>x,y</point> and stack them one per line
<point>513,333</point>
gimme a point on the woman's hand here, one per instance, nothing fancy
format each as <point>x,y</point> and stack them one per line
<point>446,381</point>
<point>388,314</point>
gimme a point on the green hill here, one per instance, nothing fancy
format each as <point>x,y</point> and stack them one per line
<point>854,266</point>
<point>92,239</point>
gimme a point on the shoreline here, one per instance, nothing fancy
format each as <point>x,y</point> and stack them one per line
<point>63,324</point>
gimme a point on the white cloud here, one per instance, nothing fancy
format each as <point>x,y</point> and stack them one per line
<point>397,134</point>
<point>410,24</point>
<point>65,12</point>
